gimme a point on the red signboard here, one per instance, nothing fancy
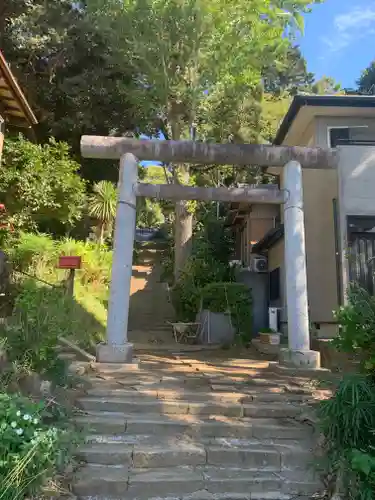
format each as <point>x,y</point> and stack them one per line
<point>69,262</point>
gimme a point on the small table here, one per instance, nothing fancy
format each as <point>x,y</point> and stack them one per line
<point>183,332</point>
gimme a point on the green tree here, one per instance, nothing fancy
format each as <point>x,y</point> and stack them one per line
<point>40,185</point>
<point>366,82</point>
<point>326,85</point>
<point>102,207</point>
<point>66,68</point>
<point>196,63</point>
<point>289,76</point>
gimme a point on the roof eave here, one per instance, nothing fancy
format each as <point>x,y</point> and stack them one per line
<point>15,89</point>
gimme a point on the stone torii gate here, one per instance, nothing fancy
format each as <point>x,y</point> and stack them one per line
<point>117,349</point>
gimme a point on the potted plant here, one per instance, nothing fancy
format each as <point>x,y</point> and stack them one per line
<point>269,336</point>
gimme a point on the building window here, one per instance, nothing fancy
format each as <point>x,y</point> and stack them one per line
<point>274,284</point>
<point>338,135</point>
<point>344,135</point>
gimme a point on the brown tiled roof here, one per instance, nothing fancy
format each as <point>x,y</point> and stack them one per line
<point>14,107</point>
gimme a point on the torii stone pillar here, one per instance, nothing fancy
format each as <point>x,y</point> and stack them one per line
<point>117,349</point>
<point>298,353</point>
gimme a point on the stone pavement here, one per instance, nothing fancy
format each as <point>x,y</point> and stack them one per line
<point>191,426</point>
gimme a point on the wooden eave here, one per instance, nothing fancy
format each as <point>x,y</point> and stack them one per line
<point>14,107</point>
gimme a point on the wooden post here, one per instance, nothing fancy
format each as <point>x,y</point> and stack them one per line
<point>70,282</point>
<point>2,132</point>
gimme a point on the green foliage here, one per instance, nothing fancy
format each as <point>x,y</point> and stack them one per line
<point>197,273</point>
<point>32,332</point>
<point>367,79</point>
<point>38,254</point>
<point>149,213</point>
<point>348,423</point>
<point>82,318</point>
<point>102,206</point>
<point>212,247</point>
<point>40,185</point>
<point>32,448</point>
<point>357,326</point>
<point>63,62</point>
<point>233,299</point>
<point>348,418</point>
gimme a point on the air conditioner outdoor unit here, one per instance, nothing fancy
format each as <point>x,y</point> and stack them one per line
<point>260,264</point>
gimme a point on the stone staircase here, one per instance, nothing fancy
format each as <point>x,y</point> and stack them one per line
<point>180,428</point>
<point>150,309</point>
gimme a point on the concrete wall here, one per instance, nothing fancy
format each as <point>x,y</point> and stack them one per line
<point>356,185</point>
<point>258,283</point>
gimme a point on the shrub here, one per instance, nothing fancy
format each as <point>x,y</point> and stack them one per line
<point>233,299</point>
<point>197,273</point>
<point>32,448</point>
<point>32,332</point>
<point>348,423</point>
<point>357,326</point>
<point>41,315</point>
<point>38,254</point>
<point>40,185</point>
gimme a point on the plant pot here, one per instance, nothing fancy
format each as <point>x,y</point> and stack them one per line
<point>270,338</point>
<point>215,328</point>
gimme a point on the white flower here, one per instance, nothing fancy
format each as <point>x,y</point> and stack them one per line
<point>19,432</point>
<point>18,413</point>
<point>13,424</point>
<point>33,441</point>
<point>36,421</point>
<point>26,417</point>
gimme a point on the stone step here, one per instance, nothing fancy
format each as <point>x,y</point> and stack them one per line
<point>180,482</point>
<point>245,396</point>
<point>205,495</point>
<point>193,426</point>
<point>166,451</point>
<point>130,405</point>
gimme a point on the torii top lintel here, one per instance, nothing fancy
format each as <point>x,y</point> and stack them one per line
<point>207,153</point>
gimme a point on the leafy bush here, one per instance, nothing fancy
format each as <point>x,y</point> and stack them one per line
<point>41,315</point>
<point>40,184</point>
<point>348,418</point>
<point>209,263</point>
<point>32,332</point>
<point>348,423</point>
<point>197,273</point>
<point>233,299</point>
<point>38,254</point>
<point>357,326</point>
<point>31,448</point>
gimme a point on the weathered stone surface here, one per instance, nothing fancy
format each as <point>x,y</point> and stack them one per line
<point>244,457</point>
<point>200,430</point>
<point>178,481</point>
<point>276,410</point>
<point>106,454</point>
<point>101,480</point>
<point>229,479</point>
<point>168,455</point>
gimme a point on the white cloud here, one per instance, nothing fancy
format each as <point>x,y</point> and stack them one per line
<point>352,25</point>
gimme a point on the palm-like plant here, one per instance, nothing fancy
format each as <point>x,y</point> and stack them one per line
<point>102,206</point>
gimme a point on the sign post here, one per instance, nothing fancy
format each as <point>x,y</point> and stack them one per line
<point>72,263</point>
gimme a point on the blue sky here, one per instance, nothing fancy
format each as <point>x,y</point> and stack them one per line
<point>339,39</point>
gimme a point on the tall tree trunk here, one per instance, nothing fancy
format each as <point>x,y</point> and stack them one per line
<point>183,230</point>
<point>100,235</point>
